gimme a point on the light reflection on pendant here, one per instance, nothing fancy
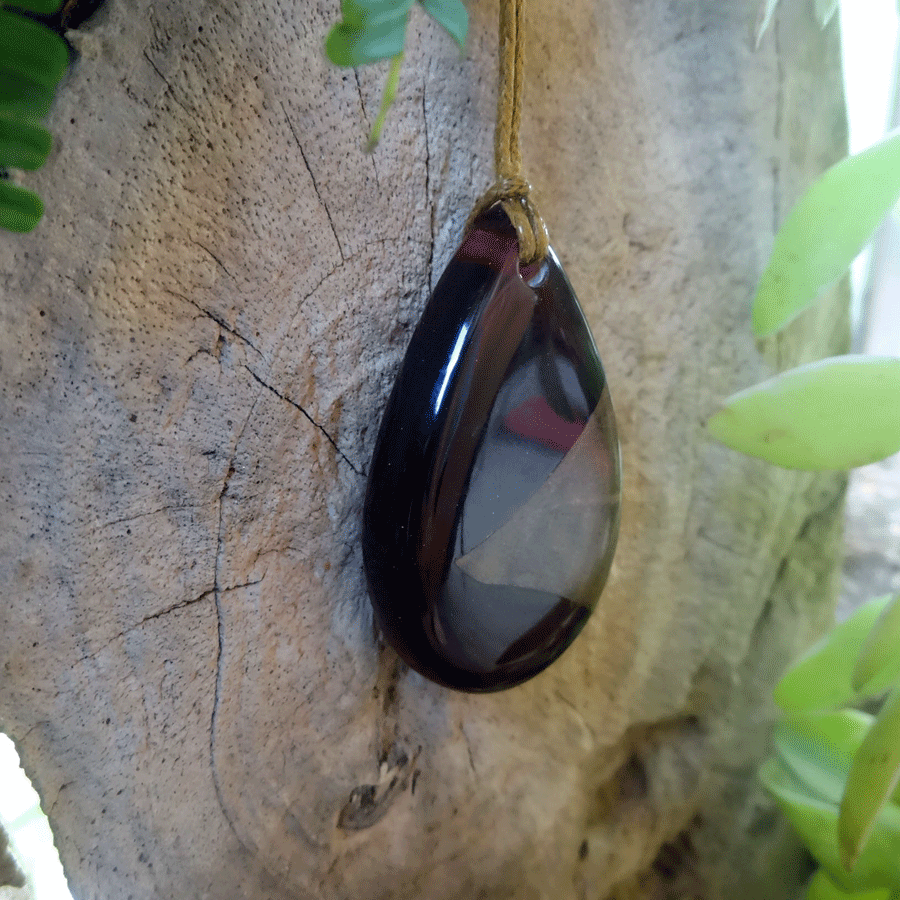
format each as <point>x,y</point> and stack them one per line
<point>492,507</point>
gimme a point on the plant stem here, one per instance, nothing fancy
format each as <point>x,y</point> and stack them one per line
<point>390,92</point>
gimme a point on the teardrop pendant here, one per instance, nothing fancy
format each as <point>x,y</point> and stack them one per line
<point>492,506</point>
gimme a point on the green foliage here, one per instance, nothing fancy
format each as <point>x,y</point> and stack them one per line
<point>832,414</point>
<point>825,231</point>
<point>368,32</point>
<point>33,60</point>
<point>835,774</point>
<point>20,209</point>
<point>373,30</point>
<point>822,679</point>
<point>807,797</point>
<point>878,663</point>
<point>44,7</point>
<point>821,887</point>
<point>836,413</point>
<point>23,145</point>
<point>871,782</point>
<point>23,99</point>
<point>452,15</point>
<point>31,51</point>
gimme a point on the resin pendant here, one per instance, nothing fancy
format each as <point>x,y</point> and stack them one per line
<point>492,507</point>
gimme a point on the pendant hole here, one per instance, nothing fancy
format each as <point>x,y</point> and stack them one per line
<point>535,274</point>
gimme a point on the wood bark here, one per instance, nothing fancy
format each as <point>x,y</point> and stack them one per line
<point>195,349</point>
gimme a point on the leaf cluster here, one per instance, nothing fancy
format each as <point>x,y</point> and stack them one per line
<point>33,60</point>
<point>835,769</point>
<point>836,413</point>
<point>374,30</point>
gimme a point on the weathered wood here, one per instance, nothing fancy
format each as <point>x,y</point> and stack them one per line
<point>195,349</point>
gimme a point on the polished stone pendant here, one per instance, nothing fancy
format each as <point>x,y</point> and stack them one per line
<point>492,507</point>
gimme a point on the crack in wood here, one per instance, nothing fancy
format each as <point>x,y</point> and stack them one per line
<point>218,261</point>
<point>182,604</point>
<point>315,185</point>
<point>465,735</point>
<point>169,89</point>
<point>218,591</point>
<point>429,269</point>
<point>209,314</point>
<point>308,417</point>
<point>143,515</point>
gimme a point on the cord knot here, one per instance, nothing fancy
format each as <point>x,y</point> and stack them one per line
<point>514,195</point>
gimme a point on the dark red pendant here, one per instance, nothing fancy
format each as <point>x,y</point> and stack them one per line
<point>492,507</point>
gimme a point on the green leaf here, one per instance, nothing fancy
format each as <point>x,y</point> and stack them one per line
<point>843,730</point>
<point>20,210</point>
<point>349,46</point>
<point>825,10</point>
<point>815,820</point>
<point>833,414</point>
<point>23,145</point>
<point>374,13</point>
<point>823,677</point>
<point>873,778</point>
<point>369,32</point>
<point>821,769</point>
<point>45,7</point>
<point>821,887</point>
<point>878,665</point>
<point>825,231</point>
<point>819,749</point>
<point>36,53</point>
<point>23,99</point>
<point>452,15</point>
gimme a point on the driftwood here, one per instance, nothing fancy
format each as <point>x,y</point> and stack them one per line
<point>196,346</point>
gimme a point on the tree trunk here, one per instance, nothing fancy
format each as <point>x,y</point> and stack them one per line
<point>196,347</point>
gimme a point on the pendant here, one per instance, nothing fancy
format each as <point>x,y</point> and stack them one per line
<point>492,507</point>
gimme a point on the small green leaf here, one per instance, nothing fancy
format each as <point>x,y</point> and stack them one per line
<point>34,52</point>
<point>823,677</point>
<point>825,231</point>
<point>369,32</point>
<point>825,10</point>
<point>20,210</point>
<point>452,15</point>
<point>766,11</point>
<point>878,666</point>
<point>23,145</point>
<point>821,887</point>
<point>873,778</point>
<point>23,99</point>
<point>833,414</point>
<point>45,7</point>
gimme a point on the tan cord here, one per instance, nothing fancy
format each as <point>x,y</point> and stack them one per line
<point>511,189</point>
